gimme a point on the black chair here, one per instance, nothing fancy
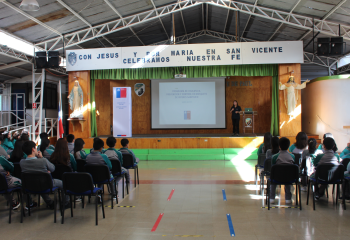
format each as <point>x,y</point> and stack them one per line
<point>59,170</point>
<point>346,182</point>
<point>80,165</point>
<point>265,173</point>
<point>326,174</point>
<point>128,163</point>
<point>40,183</point>
<point>345,162</point>
<point>284,174</point>
<point>81,184</point>
<point>117,172</point>
<point>5,190</point>
<point>17,172</point>
<point>259,164</point>
<point>101,175</point>
<point>297,159</point>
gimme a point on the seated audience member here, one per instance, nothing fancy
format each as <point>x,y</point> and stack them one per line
<point>95,139</point>
<point>125,150</point>
<point>44,148</point>
<point>70,140</point>
<point>36,163</point>
<point>79,152</point>
<point>266,145</point>
<point>62,156</point>
<point>346,152</point>
<point>6,142</point>
<point>308,156</point>
<point>97,158</point>
<point>300,145</point>
<point>114,154</point>
<point>17,155</point>
<point>275,147</point>
<point>15,137</point>
<point>25,137</point>
<point>6,168</point>
<point>45,136</point>
<point>326,135</point>
<point>283,157</point>
<point>328,157</point>
<point>3,152</point>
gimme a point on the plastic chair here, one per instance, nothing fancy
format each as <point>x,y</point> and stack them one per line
<point>101,175</point>
<point>326,174</point>
<point>117,171</point>
<point>80,165</point>
<point>298,158</point>
<point>259,164</point>
<point>59,170</point>
<point>4,190</point>
<point>284,174</point>
<point>128,163</point>
<point>265,173</point>
<point>40,183</point>
<point>17,172</point>
<point>346,182</point>
<point>81,184</point>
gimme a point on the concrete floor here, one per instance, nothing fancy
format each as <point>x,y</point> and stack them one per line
<point>196,209</point>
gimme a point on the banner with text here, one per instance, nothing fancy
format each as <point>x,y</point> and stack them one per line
<point>122,112</point>
<point>185,55</point>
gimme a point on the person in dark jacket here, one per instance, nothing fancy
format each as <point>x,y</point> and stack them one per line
<point>235,110</point>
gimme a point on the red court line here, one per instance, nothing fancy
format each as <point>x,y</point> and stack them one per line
<point>171,194</point>
<point>187,182</point>
<point>157,222</point>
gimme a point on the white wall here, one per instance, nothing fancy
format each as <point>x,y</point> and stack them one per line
<point>325,108</point>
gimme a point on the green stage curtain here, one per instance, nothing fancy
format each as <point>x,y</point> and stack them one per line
<point>93,108</point>
<point>191,72</point>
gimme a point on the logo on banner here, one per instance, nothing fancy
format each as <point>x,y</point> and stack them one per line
<point>121,93</point>
<point>248,121</point>
<point>187,115</point>
<point>72,58</point>
<point>139,89</point>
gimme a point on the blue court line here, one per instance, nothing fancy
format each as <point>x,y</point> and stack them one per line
<point>224,194</point>
<point>232,231</point>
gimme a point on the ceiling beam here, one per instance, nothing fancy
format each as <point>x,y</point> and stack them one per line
<point>256,3</point>
<point>298,21</point>
<point>86,35</point>
<point>82,19</point>
<point>12,53</point>
<point>11,76</point>
<point>280,25</point>
<point>11,65</point>
<point>160,20</point>
<point>124,21</point>
<point>324,18</point>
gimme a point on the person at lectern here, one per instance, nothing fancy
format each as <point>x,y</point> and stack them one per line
<point>235,110</point>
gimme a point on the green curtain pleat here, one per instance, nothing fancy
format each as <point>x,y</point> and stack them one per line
<point>93,108</point>
<point>191,72</point>
<point>274,107</point>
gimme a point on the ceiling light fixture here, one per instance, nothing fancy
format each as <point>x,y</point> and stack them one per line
<point>29,5</point>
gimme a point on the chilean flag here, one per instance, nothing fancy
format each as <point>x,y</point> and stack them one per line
<point>60,124</point>
<point>121,93</point>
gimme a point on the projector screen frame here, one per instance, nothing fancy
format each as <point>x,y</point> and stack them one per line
<point>197,79</point>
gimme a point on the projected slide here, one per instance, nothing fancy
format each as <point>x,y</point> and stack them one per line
<point>187,103</point>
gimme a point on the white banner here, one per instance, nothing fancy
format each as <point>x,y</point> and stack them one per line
<point>185,55</point>
<point>122,112</point>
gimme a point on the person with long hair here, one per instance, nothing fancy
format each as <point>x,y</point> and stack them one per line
<point>275,148</point>
<point>15,137</point>
<point>300,144</point>
<point>62,156</point>
<point>44,148</point>
<point>25,137</point>
<point>6,141</point>
<point>17,154</point>
<point>235,110</point>
<point>79,152</point>
<point>266,145</point>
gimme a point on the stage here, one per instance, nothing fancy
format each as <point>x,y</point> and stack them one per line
<point>191,146</point>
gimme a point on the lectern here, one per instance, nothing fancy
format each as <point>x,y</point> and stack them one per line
<point>248,120</point>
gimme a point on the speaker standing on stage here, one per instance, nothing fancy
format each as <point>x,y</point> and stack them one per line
<point>235,109</point>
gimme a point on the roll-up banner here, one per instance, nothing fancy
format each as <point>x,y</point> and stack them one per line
<point>185,55</point>
<point>122,112</point>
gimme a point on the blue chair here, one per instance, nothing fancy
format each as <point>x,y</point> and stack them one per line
<point>101,175</point>
<point>128,163</point>
<point>117,172</point>
<point>284,174</point>
<point>40,183</point>
<point>5,190</point>
<point>81,184</point>
<point>326,174</point>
